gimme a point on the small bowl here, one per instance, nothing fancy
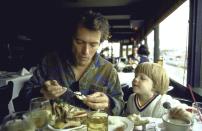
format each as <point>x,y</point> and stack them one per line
<point>174,124</point>
<point>18,121</point>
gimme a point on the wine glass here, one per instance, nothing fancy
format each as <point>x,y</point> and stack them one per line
<point>40,112</point>
<point>97,121</point>
<point>197,116</point>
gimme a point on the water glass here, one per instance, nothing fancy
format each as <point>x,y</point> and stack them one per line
<point>97,121</point>
<point>197,116</point>
<point>40,110</point>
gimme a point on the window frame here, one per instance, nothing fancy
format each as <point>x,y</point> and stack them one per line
<point>194,67</point>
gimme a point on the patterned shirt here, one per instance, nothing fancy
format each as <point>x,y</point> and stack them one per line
<point>100,76</point>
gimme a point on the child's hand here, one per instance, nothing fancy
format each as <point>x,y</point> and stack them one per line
<point>180,113</point>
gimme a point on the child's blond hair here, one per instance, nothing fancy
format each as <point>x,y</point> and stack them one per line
<point>157,74</point>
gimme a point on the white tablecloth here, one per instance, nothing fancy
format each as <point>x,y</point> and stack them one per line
<point>18,82</point>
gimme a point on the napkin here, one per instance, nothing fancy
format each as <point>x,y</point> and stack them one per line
<point>24,71</point>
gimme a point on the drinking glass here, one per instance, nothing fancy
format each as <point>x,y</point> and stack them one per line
<point>197,116</point>
<point>40,112</point>
<point>97,121</point>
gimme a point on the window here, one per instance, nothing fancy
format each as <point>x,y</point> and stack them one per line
<point>150,42</point>
<point>124,51</point>
<point>109,49</point>
<point>130,49</point>
<point>173,35</point>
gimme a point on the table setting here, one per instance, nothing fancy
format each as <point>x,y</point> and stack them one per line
<point>48,115</point>
<point>64,117</point>
<point>41,117</point>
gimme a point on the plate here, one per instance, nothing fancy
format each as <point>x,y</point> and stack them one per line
<point>155,124</point>
<point>68,129</point>
<point>118,121</point>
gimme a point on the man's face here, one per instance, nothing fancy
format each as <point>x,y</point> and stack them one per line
<point>85,44</point>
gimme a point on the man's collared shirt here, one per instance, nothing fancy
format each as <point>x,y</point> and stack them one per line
<point>100,76</point>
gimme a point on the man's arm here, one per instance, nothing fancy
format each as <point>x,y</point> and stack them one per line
<point>115,94</point>
<point>31,88</point>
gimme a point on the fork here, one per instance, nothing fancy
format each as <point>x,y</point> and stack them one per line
<point>78,94</point>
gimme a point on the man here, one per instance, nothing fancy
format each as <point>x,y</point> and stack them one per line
<point>79,69</point>
<point>143,53</point>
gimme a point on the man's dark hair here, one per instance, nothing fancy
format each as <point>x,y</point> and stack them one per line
<point>143,50</point>
<point>92,21</point>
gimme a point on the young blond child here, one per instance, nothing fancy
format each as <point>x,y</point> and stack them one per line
<point>150,86</point>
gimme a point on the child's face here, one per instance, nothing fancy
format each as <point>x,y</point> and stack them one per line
<point>142,84</point>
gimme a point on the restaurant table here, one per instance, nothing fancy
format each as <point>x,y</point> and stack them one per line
<point>128,124</point>
<point>155,124</point>
<point>18,81</point>
<point>118,121</point>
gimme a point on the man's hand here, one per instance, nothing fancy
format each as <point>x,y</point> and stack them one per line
<point>51,89</point>
<point>97,100</point>
<point>180,113</point>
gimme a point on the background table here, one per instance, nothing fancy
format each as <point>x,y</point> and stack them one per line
<point>18,82</point>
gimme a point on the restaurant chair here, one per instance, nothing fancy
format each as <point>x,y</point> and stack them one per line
<point>127,91</point>
<point>5,97</point>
